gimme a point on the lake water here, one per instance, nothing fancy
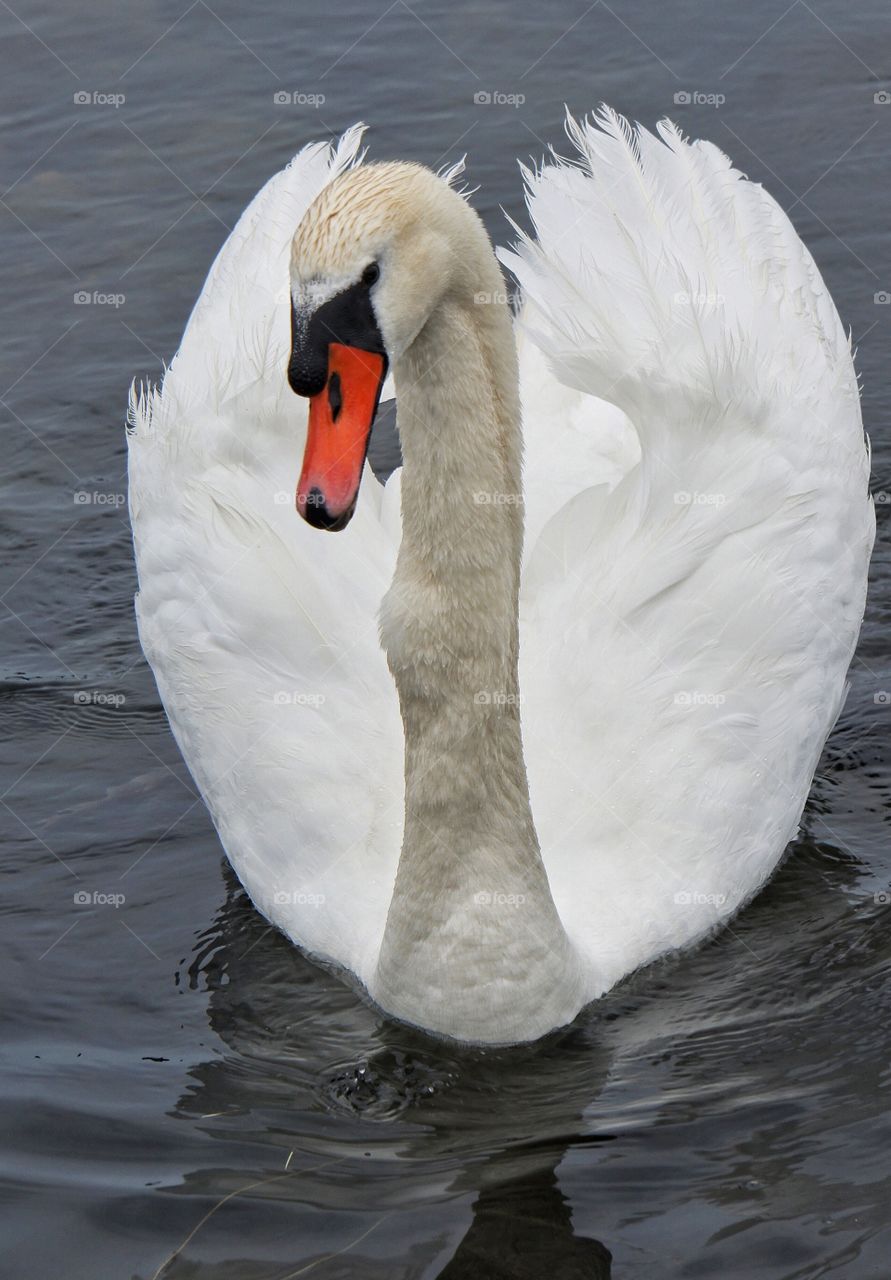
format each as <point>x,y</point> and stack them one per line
<point>166,1056</point>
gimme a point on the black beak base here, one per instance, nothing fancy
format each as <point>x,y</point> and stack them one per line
<point>348,318</point>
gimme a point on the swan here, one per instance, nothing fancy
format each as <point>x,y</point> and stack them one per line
<point>504,737</point>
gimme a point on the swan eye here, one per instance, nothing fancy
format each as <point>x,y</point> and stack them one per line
<point>371,274</point>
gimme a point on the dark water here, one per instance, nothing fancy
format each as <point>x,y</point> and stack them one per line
<point>167,1058</point>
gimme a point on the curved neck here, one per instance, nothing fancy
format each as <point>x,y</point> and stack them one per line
<point>456,584</point>
<point>471,912</point>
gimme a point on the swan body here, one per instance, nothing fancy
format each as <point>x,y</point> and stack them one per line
<point>503,738</point>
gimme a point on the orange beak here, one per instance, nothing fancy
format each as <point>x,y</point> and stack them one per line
<point>340,421</point>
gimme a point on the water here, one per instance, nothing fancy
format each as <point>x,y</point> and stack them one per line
<point>725,1113</point>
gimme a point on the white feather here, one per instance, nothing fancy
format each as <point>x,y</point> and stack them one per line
<point>681,661</point>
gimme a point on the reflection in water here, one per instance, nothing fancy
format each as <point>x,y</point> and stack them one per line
<point>522,1230</point>
<point>316,1072</point>
<point>730,1112</point>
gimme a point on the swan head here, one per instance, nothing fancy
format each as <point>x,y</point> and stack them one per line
<point>371,260</point>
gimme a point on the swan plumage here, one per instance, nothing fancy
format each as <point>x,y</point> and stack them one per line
<point>697,535</point>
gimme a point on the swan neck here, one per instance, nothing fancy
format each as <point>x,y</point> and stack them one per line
<point>456,584</point>
<point>471,903</point>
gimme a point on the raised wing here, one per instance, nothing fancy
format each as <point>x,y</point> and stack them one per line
<point>685,632</point>
<point>262,633</point>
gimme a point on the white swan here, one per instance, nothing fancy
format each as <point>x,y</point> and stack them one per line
<point>685,620</point>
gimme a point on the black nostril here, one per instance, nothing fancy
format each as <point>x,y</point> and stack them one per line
<point>335,396</point>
